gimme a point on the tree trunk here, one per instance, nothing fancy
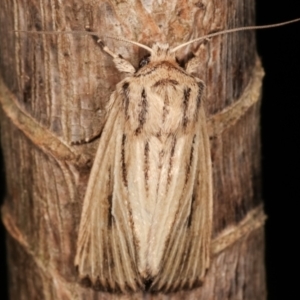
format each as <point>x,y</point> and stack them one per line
<point>53,92</point>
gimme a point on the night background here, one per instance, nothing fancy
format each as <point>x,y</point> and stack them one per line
<point>279,49</point>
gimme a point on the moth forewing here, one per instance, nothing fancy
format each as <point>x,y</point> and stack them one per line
<point>147,213</point>
<point>187,254</point>
<point>105,247</point>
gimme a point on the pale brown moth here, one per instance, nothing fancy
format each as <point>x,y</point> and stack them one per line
<point>147,214</point>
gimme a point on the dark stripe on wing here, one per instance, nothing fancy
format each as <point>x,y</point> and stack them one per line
<point>191,211</point>
<point>189,165</point>
<point>125,88</point>
<point>110,216</point>
<point>174,140</point>
<point>143,112</point>
<point>146,165</point>
<point>185,104</point>
<point>199,97</point>
<point>124,170</point>
<point>109,200</point>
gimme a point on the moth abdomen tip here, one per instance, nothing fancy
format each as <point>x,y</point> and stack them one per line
<point>148,283</point>
<point>86,281</point>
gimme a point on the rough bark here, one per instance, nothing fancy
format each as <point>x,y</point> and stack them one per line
<point>55,88</point>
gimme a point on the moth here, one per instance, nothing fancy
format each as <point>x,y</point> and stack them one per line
<point>147,214</point>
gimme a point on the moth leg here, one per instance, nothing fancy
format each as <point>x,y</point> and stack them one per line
<point>121,63</point>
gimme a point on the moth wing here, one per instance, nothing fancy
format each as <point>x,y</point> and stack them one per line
<point>105,248</point>
<point>186,251</point>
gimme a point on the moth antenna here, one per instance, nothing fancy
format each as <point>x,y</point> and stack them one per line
<point>118,39</point>
<point>57,32</point>
<point>130,42</point>
<point>230,31</point>
<point>87,32</point>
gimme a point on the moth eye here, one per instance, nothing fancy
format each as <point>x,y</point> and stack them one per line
<point>180,62</point>
<point>144,61</point>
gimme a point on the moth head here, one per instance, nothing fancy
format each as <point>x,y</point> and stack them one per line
<point>161,51</point>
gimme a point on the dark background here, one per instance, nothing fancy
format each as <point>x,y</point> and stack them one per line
<point>279,49</point>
